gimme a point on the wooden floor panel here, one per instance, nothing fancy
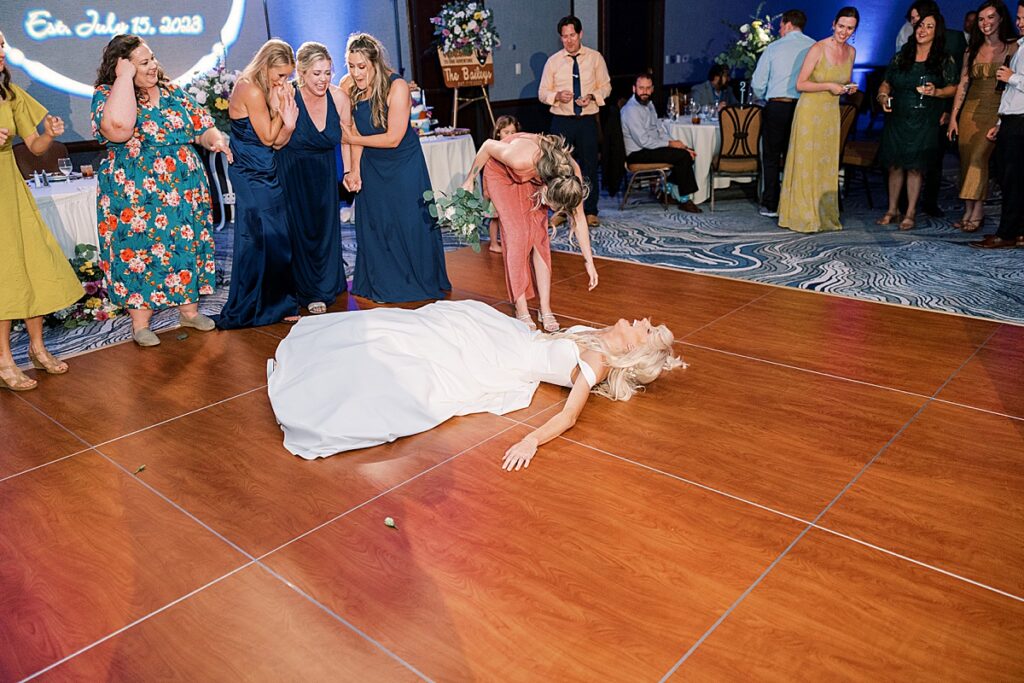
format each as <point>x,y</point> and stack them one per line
<point>903,348</point>
<point>992,380</point>
<point>580,568</point>
<point>249,626</point>
<point>949,492</point>
<point>770,434</point>
<point>126,387</point>
<point>590,565</point>
<point>832,610</point>
<point>28,437</point>
<point>227,466</point>
<point>85,550</point>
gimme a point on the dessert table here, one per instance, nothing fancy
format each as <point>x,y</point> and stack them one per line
<point>69,210</point>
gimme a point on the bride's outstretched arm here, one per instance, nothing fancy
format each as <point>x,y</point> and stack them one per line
<point>519,455</point>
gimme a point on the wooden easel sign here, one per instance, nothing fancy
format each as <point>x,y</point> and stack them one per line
<point>467,71</point>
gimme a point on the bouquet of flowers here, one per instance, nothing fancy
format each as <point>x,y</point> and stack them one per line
<point>462,213</point>
<point>211,90</point>
<point>754,37</point>
<point>95,305</point>
<point>465,26</point>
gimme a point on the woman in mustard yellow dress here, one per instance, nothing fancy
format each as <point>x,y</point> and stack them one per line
<point>35,277</point>
<point>976,106</point>
<point>809,201</point>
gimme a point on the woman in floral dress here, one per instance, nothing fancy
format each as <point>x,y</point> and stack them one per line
<point>153,204</point>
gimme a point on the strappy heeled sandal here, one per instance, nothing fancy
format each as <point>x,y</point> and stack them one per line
<point>887,218</point>
<point>11,377</point>
<point>317,307</point>
<point>47,361</point>
<point>908,223</point>
<point>972,225</point>
<point>526,320</point>
<point>548,321</point>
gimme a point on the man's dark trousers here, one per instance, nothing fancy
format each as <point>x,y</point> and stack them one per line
<point>776,124</point>
<point>581,133</point>
<point>682,165</point>
<point>1010,148</point>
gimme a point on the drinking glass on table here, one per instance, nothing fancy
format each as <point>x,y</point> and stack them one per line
<point>64,166</point>
<point>87,171</point>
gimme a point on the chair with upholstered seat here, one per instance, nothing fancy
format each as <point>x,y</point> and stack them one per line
<point>47,161</point>
<point>854,154</point>
<point>654,174</point>
<point>738,157</point>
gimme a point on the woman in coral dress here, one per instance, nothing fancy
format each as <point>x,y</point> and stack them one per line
<point>35,277</point>
<point>809,201</point>
<point>526,174</point>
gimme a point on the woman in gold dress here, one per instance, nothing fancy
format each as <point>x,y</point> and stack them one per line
<point>809,201</point>
<point>977,105</point>
<point>35,277</point>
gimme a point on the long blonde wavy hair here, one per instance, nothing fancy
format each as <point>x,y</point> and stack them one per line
<point>379,88</point>
<point>274,52</point>
<point>308,54</point>
<point>562,190</point>
<point>629,372</point>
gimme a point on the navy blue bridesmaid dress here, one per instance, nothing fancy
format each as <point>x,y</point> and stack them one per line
<point>400,255</point>
<point>262,290</point>
<point>308,171</point>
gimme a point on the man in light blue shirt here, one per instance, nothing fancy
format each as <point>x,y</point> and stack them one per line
<point>774,80</point>
<point>647,141</point>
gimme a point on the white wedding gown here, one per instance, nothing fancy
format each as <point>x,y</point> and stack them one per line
<point>350,380</point>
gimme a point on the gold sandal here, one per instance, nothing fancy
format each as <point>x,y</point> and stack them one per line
<point>47,361</point>
<point>526,320</point>
<point>887,219</point>
<point>11,377</point>
<point>908,223</point>
<point>548,321</point>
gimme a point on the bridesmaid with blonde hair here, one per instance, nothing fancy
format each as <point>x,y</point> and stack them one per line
<point>809,201</point>
<point>263,114</point>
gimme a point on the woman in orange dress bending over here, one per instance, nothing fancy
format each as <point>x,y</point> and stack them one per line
<point>526,174</point>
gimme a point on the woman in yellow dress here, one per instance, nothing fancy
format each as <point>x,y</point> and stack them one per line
<point>976,107</point>
<point>809,201</point>
<point>35,277</point>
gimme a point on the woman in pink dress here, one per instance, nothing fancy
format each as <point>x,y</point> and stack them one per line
<point>525,175</point>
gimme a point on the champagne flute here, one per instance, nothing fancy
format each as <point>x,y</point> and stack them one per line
<point>922,82</point>
<point>64,166</point>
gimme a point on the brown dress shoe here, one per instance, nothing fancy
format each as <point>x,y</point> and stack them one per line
<point>593,221</point>
<point>994,242</point>
<point>689,207</point>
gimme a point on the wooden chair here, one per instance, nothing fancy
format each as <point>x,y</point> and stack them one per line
<point>738,157</point>
<point>854,154</point>
<point>654,174</point>
<point>47,161</point>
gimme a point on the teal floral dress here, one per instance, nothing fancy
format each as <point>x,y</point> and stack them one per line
<point>153,205</point>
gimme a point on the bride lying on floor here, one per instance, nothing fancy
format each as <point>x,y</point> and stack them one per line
<point>357,379</point>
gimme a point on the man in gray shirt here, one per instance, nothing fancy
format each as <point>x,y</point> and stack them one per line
<point>647,141</point>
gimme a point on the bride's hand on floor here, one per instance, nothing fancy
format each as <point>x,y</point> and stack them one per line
<point>520,455</point>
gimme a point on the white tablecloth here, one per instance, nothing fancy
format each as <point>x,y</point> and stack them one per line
<point>448,160</point>
<point>706,139</point>
<point>69,209</point>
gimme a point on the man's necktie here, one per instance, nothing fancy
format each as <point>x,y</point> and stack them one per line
<point>576,92</point>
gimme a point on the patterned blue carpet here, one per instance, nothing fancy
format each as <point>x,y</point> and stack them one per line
<point>929,267</point>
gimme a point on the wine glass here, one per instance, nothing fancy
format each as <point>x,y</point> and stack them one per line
<point>64,166</point>
<point>670,109</point>
<point>921,82</point>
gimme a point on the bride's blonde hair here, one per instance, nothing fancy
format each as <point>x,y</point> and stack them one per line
<point>629,372</point>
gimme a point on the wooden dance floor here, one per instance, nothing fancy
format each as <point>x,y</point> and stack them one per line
<point>833,490</point>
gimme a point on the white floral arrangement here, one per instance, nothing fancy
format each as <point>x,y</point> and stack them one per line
<point>754,37</point>
<point>212,90</point>
<point>462,214</point>
<point>465,26</point>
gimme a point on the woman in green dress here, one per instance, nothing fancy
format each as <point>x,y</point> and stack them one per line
<point>35,277</point>
<point>919,76</point>
<point>809,201</point>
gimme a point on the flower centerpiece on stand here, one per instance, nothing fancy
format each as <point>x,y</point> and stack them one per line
<point>753,38</point>
<point>212,90</point>
<point>463,27</point>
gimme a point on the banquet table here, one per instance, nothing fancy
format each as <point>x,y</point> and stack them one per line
<point>706,139</point>
<point>69,210</point>
<point>448,160</point>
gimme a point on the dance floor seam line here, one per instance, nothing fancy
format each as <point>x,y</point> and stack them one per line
<point>814,522</point>
<point>138,621</point>
<point>342,620</point>
<point>724,316</point>
<point>41,465</point>
<point>384,492</point>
